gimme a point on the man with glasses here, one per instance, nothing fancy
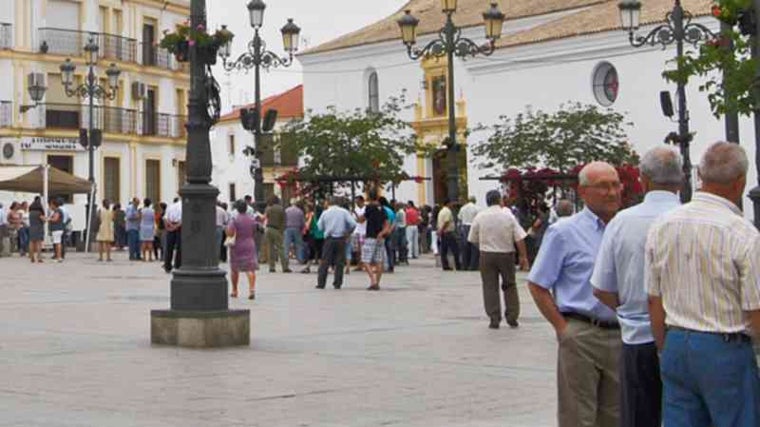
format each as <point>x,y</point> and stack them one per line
<point>587,331</point>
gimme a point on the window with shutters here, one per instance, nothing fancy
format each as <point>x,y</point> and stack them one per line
<point>112,179</point>
<point>181,174</point>
<point>233,195</point>
<point>374,93</point>
<point>231,145</point>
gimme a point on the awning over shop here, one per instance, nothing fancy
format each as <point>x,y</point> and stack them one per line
<point>31,179</point>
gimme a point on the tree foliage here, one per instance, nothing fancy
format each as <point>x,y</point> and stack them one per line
<point>575,134</point>
<point>731,54</point>
<point>359,143</point>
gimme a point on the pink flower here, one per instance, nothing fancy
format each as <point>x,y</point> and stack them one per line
<point>191,43</point>
<point>200,27</point>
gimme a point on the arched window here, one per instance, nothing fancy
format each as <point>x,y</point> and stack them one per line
<point>374,93</point>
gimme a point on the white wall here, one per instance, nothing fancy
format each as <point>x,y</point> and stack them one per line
<point>541,75</point>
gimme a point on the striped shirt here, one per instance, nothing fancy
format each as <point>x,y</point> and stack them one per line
<point>703,259</point>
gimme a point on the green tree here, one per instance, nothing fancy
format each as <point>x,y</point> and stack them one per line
<point>575,134</point>
<point>368,145</point>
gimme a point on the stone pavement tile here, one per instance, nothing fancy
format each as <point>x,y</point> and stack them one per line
<point>74,350</point>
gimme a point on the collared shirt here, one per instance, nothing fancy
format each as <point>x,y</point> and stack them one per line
<point>703,259</point>
<point>446,216</point>
<point>468,213</point>
<point>565,262</point>
<point>336,222</point>
<point>495,231</point>
<point>133,217</point>
<point>620,264</point>
<point>174,213</point>
<point>294,218</point>
<point>412,216</point>
<point>361,228</point>
<point>275,217</point>
<point>221,216</point>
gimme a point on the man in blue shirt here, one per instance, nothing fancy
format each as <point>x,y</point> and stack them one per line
<point>618,281</point>
<point>337,224</point>
<point>587,331</point>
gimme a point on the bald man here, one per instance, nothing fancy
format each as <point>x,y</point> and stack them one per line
<point>587,331</point>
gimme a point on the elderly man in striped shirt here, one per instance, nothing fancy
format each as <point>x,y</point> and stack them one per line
<point>702,262</point>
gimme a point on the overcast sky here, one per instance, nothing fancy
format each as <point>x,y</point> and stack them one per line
<point>320,21</point>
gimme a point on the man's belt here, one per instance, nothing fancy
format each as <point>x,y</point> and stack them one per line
<point>727,336</point>
<point>604,324</point>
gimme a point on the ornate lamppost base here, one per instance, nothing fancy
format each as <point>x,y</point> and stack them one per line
<point>200,329</point>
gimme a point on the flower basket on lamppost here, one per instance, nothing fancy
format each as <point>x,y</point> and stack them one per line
<point>185,37</point>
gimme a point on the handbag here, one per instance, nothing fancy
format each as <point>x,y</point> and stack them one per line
<point>229,241</point>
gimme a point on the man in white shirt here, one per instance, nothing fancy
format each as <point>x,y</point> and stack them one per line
<point>469,251</point>
<point>496,233</point>
<point>173,224</point>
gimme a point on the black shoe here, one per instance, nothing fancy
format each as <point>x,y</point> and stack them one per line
<point>287,271</point>
<point>374,288</point>
<point>272,270</point>
<point>446,268</point>
<point>319,287</point>
<point>494,324</point>
<point>337,286</point>
<point>513,323</point>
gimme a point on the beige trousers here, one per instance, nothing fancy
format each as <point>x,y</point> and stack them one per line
<point>587,376</point>
<point>495,266</point>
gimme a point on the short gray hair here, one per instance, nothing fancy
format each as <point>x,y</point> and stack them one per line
<point>663,166</point>
<point>723,162</point>
<point>583,178</point>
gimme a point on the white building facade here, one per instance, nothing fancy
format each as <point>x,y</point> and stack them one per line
<point>143,148</point>
<point>551,53</point>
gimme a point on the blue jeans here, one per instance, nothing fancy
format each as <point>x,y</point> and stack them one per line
<point>709,381</point>
<point>133,241</point>
<point>23,240</point>
<point>293,237</point>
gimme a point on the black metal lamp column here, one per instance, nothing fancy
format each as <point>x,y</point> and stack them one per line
<point>754,194</point>
<point>678,29</point>
<point>450,43</point>
<point>91,90</point>
<point>256,58</point>
<point>199,284</point>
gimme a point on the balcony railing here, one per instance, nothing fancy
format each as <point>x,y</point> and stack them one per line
<point>6,36</point>
<point>155,56</point>
<point>114,120</point>
<point>71,42</point>
<point>6,113</point>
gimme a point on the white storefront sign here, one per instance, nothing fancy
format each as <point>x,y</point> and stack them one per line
<point>50,144</point>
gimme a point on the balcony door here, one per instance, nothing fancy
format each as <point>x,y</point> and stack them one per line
<point>148,39</point>
<point>149,112</point>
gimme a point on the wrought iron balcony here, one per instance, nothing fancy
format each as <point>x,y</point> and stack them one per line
<point>162,125</point>
<point>6,113</point>
<point>114,120</point>
<point>155,56</point>
<point>71,42</point>
<point>6,36</point>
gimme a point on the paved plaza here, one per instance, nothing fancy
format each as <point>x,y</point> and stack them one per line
<point>75,351</point>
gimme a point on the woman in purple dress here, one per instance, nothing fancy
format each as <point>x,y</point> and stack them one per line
<point>243,256</point>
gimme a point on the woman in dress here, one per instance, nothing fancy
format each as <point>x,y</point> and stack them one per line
<point>147,230</point>
<point>105,235</point>
<point>316,236</point>
<point>243,256</point>
<point>36,229</point>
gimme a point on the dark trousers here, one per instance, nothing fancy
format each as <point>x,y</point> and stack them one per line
<point>493,266</point>
<point>640,386</point>
<point>133,241</point>
<point>400,244</point>
<point>709,380</point>
<point>449,243</point>
<point>390,253</point>
<point>173,245</point>
<point>333,253</point>
<point>470,252</point>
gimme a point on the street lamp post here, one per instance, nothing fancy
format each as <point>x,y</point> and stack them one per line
<point>256,58</point>
<point>200,314</point>
<point>450,43</point>
<point>90,90</point>
<point>677,29</point>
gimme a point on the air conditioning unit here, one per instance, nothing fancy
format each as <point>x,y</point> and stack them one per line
<point>139,91</point>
